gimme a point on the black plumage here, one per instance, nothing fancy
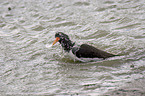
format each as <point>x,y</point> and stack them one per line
<point>82,51</point>
<point>88,51</point>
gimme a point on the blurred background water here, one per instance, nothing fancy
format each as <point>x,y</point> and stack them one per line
<point>29,66</point>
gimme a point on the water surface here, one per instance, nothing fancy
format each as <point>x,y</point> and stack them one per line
<point>30,66</point>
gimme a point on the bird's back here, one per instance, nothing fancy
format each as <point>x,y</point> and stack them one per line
<point>87,51</point>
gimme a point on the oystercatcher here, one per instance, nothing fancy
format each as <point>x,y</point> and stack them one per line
<point>82,52</point>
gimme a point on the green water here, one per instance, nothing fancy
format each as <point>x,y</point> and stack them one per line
<point>30,67</point>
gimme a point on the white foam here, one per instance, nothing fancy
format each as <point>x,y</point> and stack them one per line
<point>48,45</point>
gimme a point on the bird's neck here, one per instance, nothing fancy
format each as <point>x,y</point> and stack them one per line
<point>67,45</point>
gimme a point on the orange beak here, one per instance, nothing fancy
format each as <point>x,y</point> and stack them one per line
<point>56,40</point>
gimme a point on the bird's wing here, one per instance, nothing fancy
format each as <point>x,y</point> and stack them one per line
<point>87,51</point>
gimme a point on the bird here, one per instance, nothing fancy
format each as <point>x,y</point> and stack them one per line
<point>83,52</point>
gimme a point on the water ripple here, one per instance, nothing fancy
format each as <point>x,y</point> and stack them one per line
<point>129,26</point>
<point>81,3</point>
<point>29,65</point>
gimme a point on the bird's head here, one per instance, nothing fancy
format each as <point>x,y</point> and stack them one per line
<point>59,36</point>
<point>64,40</point>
